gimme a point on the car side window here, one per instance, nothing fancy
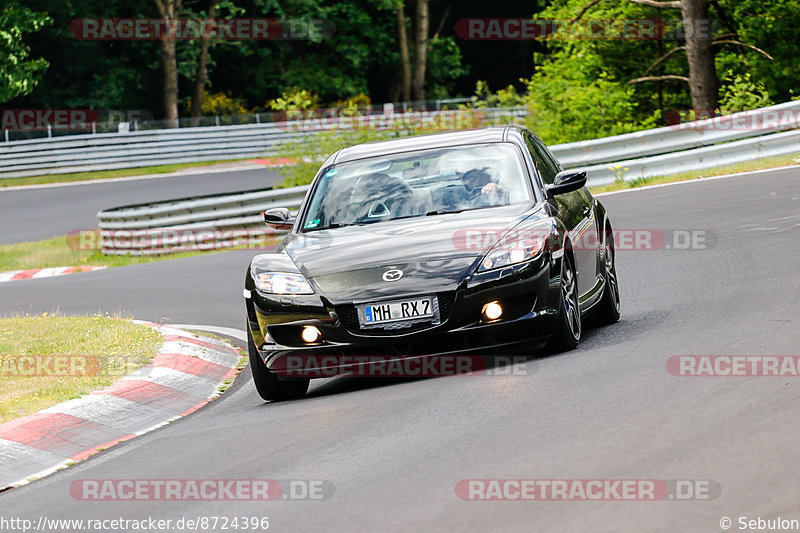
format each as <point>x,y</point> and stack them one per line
<point>544,166</point>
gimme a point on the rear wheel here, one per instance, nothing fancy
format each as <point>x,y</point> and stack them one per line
<point>568,332</point>
<point>608,307</point>
<point>269,387</point>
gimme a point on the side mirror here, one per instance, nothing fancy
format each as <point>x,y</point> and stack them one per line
<point>278,218</point>
<point>567,181</point>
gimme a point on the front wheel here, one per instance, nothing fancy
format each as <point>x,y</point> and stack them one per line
<point>269,387</point>
<point>568,332</point>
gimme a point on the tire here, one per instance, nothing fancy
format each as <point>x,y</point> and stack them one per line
<point>269,387</point>
<point>608,307</point>
<point>568,332</point>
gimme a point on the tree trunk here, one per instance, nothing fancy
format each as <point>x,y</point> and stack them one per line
<point>702,71</point>
<point>169,62</point>
<point>421,50</point>
<point>405,60</point>
<point>202,68</point>
<point>168,9</point>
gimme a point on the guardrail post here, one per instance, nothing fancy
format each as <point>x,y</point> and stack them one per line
<point>49,131</point>
<point>94,128</point>
<point>6,135</point>
<point>216,120</point>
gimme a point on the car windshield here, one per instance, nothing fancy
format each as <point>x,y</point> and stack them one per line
<point>414,184</point>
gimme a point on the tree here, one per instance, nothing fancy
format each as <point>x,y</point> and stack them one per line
<point>402,45</point>
<point>202,67</point>
<point>168,10</point>
<point>703,83</point>
<point>420,50</point>
<point>18,74</point>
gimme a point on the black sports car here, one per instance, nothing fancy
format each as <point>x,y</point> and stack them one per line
<point>437,244</point>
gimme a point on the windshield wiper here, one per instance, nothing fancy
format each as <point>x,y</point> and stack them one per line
<point>442,212</point>
<point>334,225</point>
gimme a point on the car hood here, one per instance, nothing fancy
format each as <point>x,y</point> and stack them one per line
<point>434,253</point>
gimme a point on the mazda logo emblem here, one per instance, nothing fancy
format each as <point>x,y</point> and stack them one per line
<point>392,275</point>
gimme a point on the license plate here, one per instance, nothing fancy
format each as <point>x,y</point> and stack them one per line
<point>397,311</point>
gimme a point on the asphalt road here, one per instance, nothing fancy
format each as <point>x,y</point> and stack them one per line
<point>395,451</point>
<point>41,213</point>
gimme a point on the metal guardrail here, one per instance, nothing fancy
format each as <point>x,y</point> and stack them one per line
<point>191,223</point>
<point>109,151</point>
<point>112,151</point>
<point>680,137</point>
<point>731,153</point>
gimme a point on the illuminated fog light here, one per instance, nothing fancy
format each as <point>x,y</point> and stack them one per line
<point>310,334</point>
<point>492,311</point>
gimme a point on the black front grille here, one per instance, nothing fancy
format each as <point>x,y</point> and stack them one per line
<point>349,317</point>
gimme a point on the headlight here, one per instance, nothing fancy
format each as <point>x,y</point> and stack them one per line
<point>516,247</point>
<point>282,283</point>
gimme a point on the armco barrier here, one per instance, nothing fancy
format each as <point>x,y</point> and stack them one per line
<point>129,230</point>
<point>680,137</point>
<point>776,144</point>
<point>108,151</point>
<point>111,151</point>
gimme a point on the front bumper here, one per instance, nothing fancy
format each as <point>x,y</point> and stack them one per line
<point>529,294</point>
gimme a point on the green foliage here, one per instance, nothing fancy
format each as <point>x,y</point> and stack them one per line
<point>742,94</point>
<point>350,107</point>
<point>445,66</point>
<point>223,104</point>
<point>18,74</point>
<point>563,107</point>
<point>294,99</point>
<point>507,97</point>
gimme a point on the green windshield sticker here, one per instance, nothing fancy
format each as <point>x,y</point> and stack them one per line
<point>332,172</point>
<point>312,223</point>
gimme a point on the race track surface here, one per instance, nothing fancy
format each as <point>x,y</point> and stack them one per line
<point>395,450</point>
<point>41,213</point>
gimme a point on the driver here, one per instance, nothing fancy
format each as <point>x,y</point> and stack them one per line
<point>482,190</point>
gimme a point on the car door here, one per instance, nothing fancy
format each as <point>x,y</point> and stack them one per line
<point>575,211</point>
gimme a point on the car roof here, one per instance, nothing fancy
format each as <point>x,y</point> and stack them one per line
<point>420,142</point>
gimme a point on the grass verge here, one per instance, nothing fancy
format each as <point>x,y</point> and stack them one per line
<point>48,359</point>
<point>756,164</point>
<point>106,174</point>
<point>56,252</point>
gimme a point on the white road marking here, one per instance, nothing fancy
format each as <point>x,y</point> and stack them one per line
<point>695,180</point>
<point>135,178</point>
<point>230,332</point>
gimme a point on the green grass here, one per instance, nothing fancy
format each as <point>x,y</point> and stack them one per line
<point>756,164</point>
<point>106,174</point>
<point>56,252</point>
<point>51,358</point>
